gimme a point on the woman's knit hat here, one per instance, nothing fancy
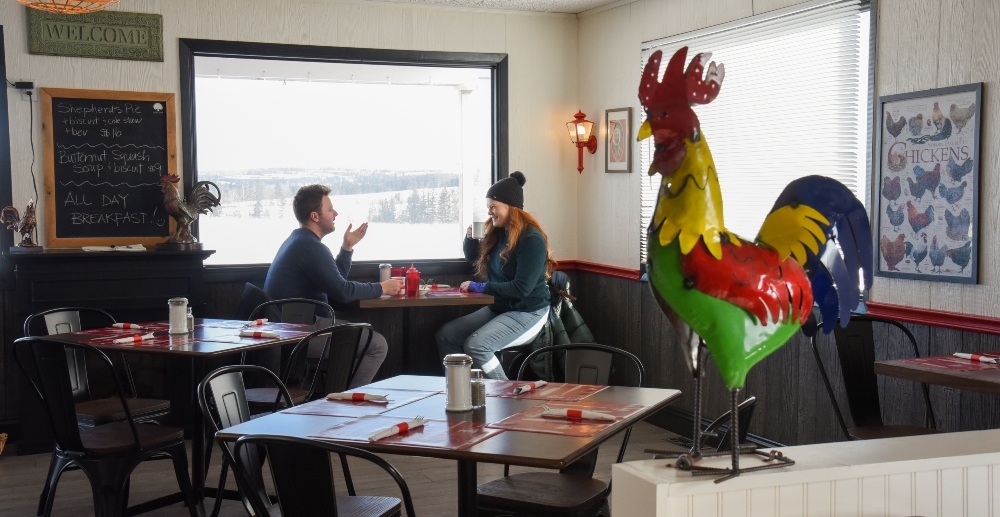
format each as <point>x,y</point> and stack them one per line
<point>508,190</point>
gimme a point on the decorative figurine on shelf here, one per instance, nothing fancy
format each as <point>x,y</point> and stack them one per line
<point>23,225</point>
<point>742,300</point>
<point>200,201</point>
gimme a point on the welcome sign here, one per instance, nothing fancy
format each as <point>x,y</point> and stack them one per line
<point>104,34</point>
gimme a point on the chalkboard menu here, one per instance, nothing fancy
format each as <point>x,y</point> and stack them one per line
<point>105,152</point>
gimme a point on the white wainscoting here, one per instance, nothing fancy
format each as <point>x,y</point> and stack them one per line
<point>944,475</point>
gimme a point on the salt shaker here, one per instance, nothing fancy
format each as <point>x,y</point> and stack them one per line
<point>458,382</point>
<point>178,315</point>
<point>478,389</point>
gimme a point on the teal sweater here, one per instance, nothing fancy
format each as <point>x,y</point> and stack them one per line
<point>519,283</point>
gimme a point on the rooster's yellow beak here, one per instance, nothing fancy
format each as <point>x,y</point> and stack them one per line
<point>645,131</point>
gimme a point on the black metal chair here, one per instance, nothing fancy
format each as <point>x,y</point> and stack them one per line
<point>303,479</point>
<point>106,453</point>
<point>856,351</point>
<point>711,437</point>
<point>572,491</point>
<point>338,355</point>
<point>92,411</point>
<point>223,402</point>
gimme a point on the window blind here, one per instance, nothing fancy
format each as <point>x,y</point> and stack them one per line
<point>795,101</point>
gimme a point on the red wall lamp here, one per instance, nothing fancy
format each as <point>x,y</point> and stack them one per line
<point>581,134</point>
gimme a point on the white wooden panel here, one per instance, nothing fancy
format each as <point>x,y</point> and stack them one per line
<point>926,488</point>
<point>323,24</point>
<point>952,492</point>
<point>847,497</point>
<point>899,499</point>
<point>489,31</point>
<point>764,501</point>
<point>873,495</point>
<point>261,20</point>
<point>706,505</point>
<point>734,504</point>
<point>977,481</point>
<point>819,499</point>
<point>297,22</point>
<point>791,500</point>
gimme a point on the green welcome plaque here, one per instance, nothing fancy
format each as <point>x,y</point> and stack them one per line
<point>104,34</point>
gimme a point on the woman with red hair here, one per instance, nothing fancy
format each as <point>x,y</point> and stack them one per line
<point>512,263</point>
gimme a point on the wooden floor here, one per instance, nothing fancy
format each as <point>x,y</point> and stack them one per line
<point>432,482</point>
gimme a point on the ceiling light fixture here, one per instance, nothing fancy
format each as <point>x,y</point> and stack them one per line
<point>68,6</point>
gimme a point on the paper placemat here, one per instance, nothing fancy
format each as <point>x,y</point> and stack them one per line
<point>551,391</point>
<point>436,434</point>
<point>350,408</point>
<point>165,341</point>
<point>954,363</point>
<point>531,421</point>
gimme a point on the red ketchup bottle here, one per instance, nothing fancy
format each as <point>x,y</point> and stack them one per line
<point>412,281</point>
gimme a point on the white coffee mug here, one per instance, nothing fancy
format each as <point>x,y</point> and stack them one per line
<point>478,229</point>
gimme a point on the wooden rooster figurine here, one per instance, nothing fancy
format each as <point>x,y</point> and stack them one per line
<point>23,225</point>
<point>201,201</point>
<point>742,300</point>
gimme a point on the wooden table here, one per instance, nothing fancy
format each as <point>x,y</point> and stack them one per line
<point>408,303</point>
<point>198,353</point>
<point>527,449</point>
<point>421,300</point>
<point>985,380</point>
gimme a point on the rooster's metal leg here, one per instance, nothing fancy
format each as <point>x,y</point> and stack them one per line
<point>695,451</point>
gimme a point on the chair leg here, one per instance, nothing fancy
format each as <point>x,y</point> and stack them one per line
<point>179,455</point>
<point>347,476</point>
<point>222,487</point>
<point>45,488</point>
<point>56,469</point>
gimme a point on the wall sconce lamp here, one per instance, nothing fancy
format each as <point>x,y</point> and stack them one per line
<point>581,134</point>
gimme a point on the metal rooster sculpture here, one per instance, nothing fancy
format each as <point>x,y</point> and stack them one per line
<point>24,225</point>
<point>200,201</point>
<point>742,300</point>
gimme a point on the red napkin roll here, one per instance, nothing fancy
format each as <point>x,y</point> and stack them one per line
<point>393,430</point>
<point>524,388</point>
<point>132,339</point>
<point>259,334</point>
<point>576,414</point>
<point>127,326</point>
<point>358,397</point>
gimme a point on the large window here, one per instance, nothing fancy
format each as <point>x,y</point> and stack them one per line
<point>795,102</point>
<point>409,149</point>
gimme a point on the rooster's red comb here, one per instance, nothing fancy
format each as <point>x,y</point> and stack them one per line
<point>172,178</point>
<point>677,84</point>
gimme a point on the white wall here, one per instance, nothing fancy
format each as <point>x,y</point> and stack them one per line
<point>921,44</point>
<point>542,63</point>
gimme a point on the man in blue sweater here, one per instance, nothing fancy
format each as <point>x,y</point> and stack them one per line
<point>305,268</point>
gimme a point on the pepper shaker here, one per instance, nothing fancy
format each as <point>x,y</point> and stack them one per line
<point>478,389</point>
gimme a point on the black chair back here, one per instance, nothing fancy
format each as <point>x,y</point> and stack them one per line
<point>68,319</point>
<point>45,365</point>
<point>723,442</point>
<point>341,344</point>
<point>856,349</point>
<point>223,401</point>
<point>590,361</point>
<point>293,310</point>
<point>252,297</point>
<point>303,476</point>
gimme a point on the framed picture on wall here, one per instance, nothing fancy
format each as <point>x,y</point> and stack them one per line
<point>618,140</point>
<point>927,188</point>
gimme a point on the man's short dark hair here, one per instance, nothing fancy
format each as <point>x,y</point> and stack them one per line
<point>309,199</point>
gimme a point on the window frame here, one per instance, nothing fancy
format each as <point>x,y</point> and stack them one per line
<point>191,48</point>
<point>869,92</point>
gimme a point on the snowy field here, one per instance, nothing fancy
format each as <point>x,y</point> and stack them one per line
<point>241,239</point>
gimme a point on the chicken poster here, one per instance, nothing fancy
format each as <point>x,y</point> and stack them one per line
<point>928,189</point>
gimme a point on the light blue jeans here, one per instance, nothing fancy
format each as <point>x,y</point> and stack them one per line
<point>482,333</point>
